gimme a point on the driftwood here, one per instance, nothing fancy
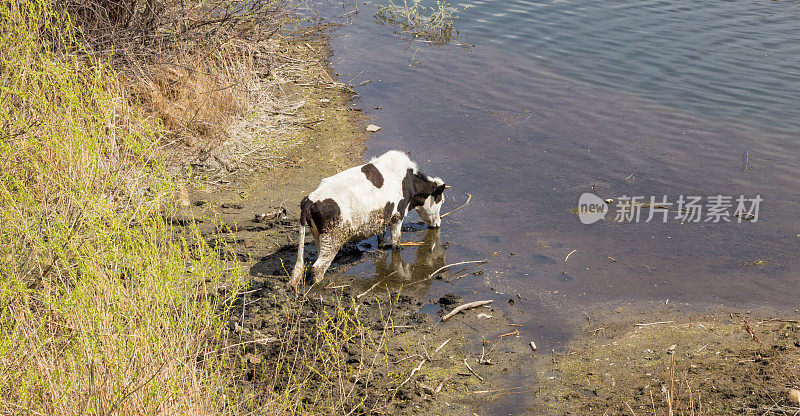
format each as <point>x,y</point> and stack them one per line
<point>465,307</point>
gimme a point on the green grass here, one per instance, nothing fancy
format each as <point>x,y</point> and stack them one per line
<point>433,23</point>
<point>99,312</point>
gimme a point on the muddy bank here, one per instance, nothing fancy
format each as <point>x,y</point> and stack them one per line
<point>374,343</point>
<point>356,343</point>
<point>718,364</point>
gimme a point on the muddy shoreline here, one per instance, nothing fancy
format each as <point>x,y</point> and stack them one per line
<point>479,361</point>
<point>250,215</point>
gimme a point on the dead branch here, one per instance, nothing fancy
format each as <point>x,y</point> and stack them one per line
<point>465,307</point>
<point>455,264</point>
<point>472,371</point>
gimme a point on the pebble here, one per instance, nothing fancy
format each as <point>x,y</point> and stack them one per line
<point>794,396</point>
<point>373,128</point>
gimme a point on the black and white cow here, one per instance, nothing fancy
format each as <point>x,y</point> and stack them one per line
<point>361,202</point>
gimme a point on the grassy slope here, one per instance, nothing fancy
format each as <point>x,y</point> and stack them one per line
<point>99,312</point>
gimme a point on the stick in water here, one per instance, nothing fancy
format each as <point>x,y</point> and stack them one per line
<point>455,264</point>
<point>465,307</point>
<point>469,196</point>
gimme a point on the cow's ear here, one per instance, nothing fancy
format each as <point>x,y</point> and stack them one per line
<point>439,190</point>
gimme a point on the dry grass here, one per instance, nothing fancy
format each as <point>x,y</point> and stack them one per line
<point>196,68</point>
<point>106,307</point>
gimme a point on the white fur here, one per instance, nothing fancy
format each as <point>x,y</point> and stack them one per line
<point>356,195</point>
<point>361,206</point>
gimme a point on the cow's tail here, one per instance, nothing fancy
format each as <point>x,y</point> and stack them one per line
<point>297,272</point>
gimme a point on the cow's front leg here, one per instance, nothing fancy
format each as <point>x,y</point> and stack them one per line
<point>396,228</point>
<point>329,245</point>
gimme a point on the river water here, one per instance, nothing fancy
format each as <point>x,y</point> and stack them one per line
<point>555,99</point>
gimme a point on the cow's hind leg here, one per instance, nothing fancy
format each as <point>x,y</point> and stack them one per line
<point>329,245</point>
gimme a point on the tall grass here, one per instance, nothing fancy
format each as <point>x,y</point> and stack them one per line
<point>99,313</point>
<point>328,362</point>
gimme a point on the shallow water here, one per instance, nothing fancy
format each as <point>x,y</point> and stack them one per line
<point>616,98</point>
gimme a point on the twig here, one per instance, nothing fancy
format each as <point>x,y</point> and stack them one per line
<point>255,341</point>
<point>456,264</point>
<point>407,358</point>
<point>465,307</point>
<point>455,278</point>
<point>496,390</point>
<point>516,332</point>
<point>655,323</point>
<point>791,321</point>
<point>630,408</point>
<point>483,352</point>
<point>443,344</point>
<point>414,371</point>
<point>469,197</point>
<point>472,371</point>
<point>336,287</point>
<point>671,381</point>
<point>368,290</point>
<point>425,349</point>
<point>439,387</point>
<point>653,402</point>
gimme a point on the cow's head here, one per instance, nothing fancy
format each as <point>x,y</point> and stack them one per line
<point>425,194</point>
<point>430,207</point>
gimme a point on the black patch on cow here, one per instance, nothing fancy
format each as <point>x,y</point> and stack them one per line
<point>373,174</point>
<point>388,211</point>
<point>438,194</point>
<point>324,214</point>
<point>408,192</point>
<point>305,207</point>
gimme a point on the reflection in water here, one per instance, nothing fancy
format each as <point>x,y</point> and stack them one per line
<point>411,277</point>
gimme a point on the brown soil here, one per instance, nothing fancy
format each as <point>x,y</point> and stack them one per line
<point>615,366</point>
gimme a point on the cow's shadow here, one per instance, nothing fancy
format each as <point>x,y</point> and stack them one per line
<point>429,257</point>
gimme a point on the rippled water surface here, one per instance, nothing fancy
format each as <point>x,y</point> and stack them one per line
<point>618,98</point>
<point>729,59</point>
